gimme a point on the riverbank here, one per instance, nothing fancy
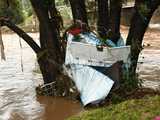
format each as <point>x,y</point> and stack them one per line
<point>146,108</point>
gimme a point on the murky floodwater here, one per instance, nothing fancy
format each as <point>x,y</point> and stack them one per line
<point>18,100</point>
<point>149,70</point>
<point>149,59</point>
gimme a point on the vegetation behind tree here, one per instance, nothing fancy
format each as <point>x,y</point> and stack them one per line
<point>11,9</point>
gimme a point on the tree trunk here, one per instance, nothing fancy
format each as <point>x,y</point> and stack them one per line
<point>103,18</point>
<point>51,55</point>
<point>79,10</point>
<point>115,16</point>
<point>51,58</point>
<point>144,10</point>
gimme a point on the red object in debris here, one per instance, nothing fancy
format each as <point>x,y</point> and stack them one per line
<point>157,118</point>
<point>75,31</point>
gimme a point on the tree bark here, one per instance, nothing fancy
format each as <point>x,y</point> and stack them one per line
<point>144,10</point>
<point>46,13</point>
<point>103,18</point>
<point>51,55</point>
<point>115,16</point>
<point>51,58</point>
<point>79,10</point>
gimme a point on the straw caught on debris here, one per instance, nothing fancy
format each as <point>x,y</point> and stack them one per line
<point>2,47</point>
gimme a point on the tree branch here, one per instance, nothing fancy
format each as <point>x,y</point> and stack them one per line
<point>21,33</point>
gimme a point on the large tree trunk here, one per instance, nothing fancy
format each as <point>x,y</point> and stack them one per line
<point>103,18</point>
<point>144,10</point>
<point>115,16</point>
<point>79,10</point>
<point>51,55</point>
<point>51,58</point>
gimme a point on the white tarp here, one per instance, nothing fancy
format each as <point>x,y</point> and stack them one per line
<point>92,85</point>
<point>87,54</point>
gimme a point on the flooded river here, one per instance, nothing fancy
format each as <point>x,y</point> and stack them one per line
<point>18,100</point>
<point>149,59</point>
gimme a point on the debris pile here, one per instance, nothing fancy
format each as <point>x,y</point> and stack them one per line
<point>87,56</point>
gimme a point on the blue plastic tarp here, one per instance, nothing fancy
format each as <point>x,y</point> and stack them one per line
<point>91,38</point>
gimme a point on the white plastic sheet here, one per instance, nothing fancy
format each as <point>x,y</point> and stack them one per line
<point>92,85</point>
<point>87,54</point>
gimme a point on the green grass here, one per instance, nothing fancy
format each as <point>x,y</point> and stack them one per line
<point>142,109</point>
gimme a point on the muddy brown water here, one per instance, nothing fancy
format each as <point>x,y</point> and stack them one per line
<point>18,100</point>
<point>149,59</point>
